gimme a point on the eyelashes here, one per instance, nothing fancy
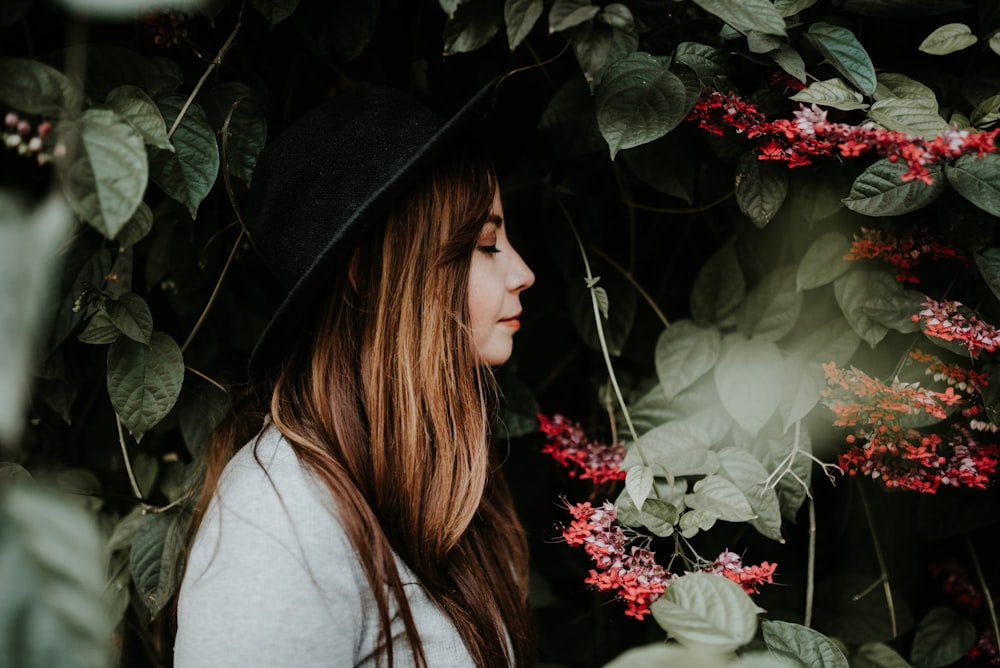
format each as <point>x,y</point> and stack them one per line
<point>488,249</point>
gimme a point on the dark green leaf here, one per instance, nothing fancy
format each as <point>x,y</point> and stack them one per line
<point>337,32</point>
<point>137,227</point>
<point>844,51</point>
<point>100,329</point>
<point>749,475</point>
<point>189,173</point>
<point>977,180</point>
<point>275,11</point>
<point>853,291</point>
<point>664,164</point>
<point>603,41</point>
<point>942,638</point>
<point>988,263</point>
<point>880,190</point>
<point>707,62</point>
<point>894,306</point>
<point>823,262</point>
<point>747,15</point>
<point>831,93</point>
<point>155,558</point>
<point>638,101</point>
<point>50,575</point>
<point>772,307</point>
<point>520,17</point>
<point>893,84</point>
<point>132,317</point>
<point>789,60</point>
<point>760,188</point>
<point>758,42</point>
<point>986,112</point>
<point>132,104</point>
<point>247,129</point>
<point>913,117</point>
<point>834,341</point>
<point>684,353</point>
<point>36,88</point>
<point>567,14</point>
<point>792,7</point>
<point>802,646</point>
<point>621,312</point>
<point>948,38</point>
<point>719,288</point>
<point>878,655</point>
<point>144,382</point>
<point>107,180</point>
<point>472,27</point>
<point>748,378</point>
<point>702,610</point>
<point>848,608</point>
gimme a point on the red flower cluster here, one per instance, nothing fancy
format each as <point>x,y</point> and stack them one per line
<point>167,29</point>
<point>585,458</point>
<point>631,572</point>
<point>953,374</point>
<point>986,649</point>
<point>945,320</point>
<point>904,458</point>
<point>19,135</point>
<point>809,134</point>
<point>956,583</point>
<point>904,253</point>
<point>730,566</point>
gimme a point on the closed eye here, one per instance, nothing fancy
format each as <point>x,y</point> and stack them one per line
<point>488,249</point>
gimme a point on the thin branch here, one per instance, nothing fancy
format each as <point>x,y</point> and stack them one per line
<point>693,209</point>
<point>628,276</point>
<point>215,291</point>
<point>984,586</point>
<point>811,565</point>
<point>128,464</point>
<point>204,377</point>
<point>538,64</point>
<point>884,578</point>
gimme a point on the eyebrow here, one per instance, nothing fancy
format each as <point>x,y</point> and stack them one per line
<point>495,219</point>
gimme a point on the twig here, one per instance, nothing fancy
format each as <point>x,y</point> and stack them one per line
<point>884,578</point>
<point>215,291</point>
<point>984,586</point>
<point>811,564</point>
<point>693,209</point>
<point>628,276</point>
<point>128,464</point>
<point>204,377</point>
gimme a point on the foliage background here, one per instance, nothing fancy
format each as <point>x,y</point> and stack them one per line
<point>95,557</point>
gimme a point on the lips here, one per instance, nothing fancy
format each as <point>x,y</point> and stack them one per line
<point>514,321</point>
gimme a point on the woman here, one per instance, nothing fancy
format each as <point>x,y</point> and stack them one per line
<point>367,522</point>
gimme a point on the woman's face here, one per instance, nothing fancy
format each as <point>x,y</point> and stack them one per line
<point>496,279</point>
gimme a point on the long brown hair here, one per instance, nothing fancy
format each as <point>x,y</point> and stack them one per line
<point>389,408</point>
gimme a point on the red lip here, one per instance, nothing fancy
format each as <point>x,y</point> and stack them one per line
<point>513,321</point>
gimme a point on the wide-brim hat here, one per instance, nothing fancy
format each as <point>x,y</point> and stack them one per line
<point>330,176</point>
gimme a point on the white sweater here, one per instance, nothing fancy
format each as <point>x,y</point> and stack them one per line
<point>272,579</point>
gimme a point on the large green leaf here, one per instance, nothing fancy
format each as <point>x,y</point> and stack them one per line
<point>803,383</point>
<point>942,638</point>
<point>50,575</point>
<point>610,36</point>
<point>131,315</point>
<point>684,353</point>
<point>275,11</point>
<point>977,180</point>
<point>638,100</point>
<point>155,558</point>
<point>834,341</point>
<point>472,27</point>
<point>719,287</point>
<point>878,655</point>
<point>144,381</point>
<point>894,84</point>
<point>107,179</point>
<point>749,475</point>
<point>747,15</point>
<point>802,646</point>
<point>520,16</point>
<point>831,93</point>
<point>949,38</point>
<point>566,14</point>
<point>880,190</point>
<point>789,60</point>
<point>35,88</point>
<point>706,611</point>
<point>708,62</point>
<point>772,307</point>
<point>132,104</point>
<point>760,188</point>
<point>792,7</point>
<point>246,125</point>
<point>845,52</point>
<point>913,117</point>
<point>853,291</point>
<point>676,448</point>
<point>986,112</point>
<point>748,378</point>
<point>188,173</point>
<point>823,262</point>
<point>721,497</point>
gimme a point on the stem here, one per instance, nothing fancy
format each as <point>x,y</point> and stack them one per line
<point>215,291</point>
<point>208,72</point>
<point>693,209</point>
<point>204,377</point>
<point>628,276</point>
<point>811,564</point>
<point>538,64</point>
<point>128,464</point>
<point>884,578</point>
<point>985,588</point>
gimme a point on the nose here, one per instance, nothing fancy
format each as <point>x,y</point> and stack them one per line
<point>520,277</point>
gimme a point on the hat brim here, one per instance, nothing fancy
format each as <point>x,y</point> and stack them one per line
<point>298,310</point>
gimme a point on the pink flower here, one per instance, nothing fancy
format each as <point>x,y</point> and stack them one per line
<point>587,459</point>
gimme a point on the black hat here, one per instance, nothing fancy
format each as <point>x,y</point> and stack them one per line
<point>325,180</point>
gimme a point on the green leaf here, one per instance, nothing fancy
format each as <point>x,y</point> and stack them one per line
<point>638,101</point>
<point>995,43</point>
<point>155,558</point>
<point>131,316</point>
<point>772,307</point>
<point>639,483</point>
<point>949,38</point>
<point>338,32</point>
<point>893,84</point>
<point>844,51</point>
<point>520,16</point>
<point>942,638</point>
<point>617,315</point>
<point>100,329</point>
<point>719,287</point>
<point>803,384</point>
<point>676,448</point>
<point>472,27</point>
<point>275,11</point>
<point>132,104</point>
<point>760,188</point>
<point>567,14</point>
<point>893,306</point>
<point>789,60</point>
<point>748,379</point>
<point>792,7</point>
<point>772,449</point>
<point>758,42</point>
<point>706,611</point>
<point>878,655</point>
<point>880,190</point>
<point>747,15</point>
<point>708,62</point>
<point>852,293</point>
<point>719,496</point>
<point>831,93</point>
<point>137,227</point>
<point>693,521</point>
<point>35,88</point>
<point>51,579</point>
<point>823,262</point>
<point>834,341</point>
<point>977,180</point>
<point>107,179</point>
<point>610,36</point>
<point>986,112</point>
<point>684,353</point>
<point>988,262</point>
<point>802,646</point>
<point>749,475</point>
<point>661,655</point>
<point>449,6</point>
<point>144,382</point>
<point>914,117</point>
<point>663,164</point>
<point>247,130</point>
<point>189,173</point>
